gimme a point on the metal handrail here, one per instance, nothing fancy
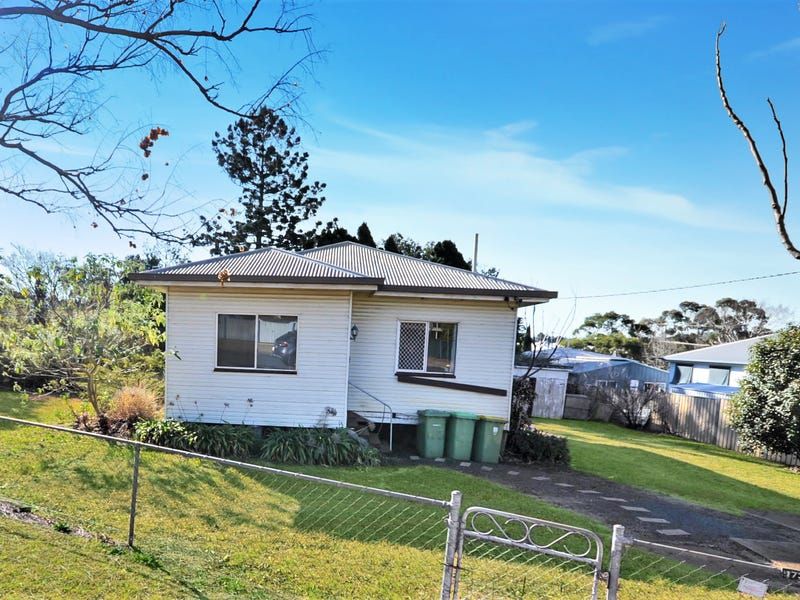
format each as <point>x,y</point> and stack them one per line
<point>391,412</point>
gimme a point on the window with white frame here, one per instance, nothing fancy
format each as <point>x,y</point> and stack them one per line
<point>426,346</point>
<point>259,342</point>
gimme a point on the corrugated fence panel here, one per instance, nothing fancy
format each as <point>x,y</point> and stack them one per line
<point>705,419</point>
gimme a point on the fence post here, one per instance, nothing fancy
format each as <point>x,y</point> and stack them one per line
<point>453,531</point>
<point>134,494</point>
<point>618,542</point>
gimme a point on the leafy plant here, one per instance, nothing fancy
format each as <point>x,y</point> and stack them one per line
<point>69,326</point>
<point>530,445</point>
<point>766,411</point>
<point>235,441</point>
<point>331,447</point>
<point>169,433</point>
<point>62,527</point>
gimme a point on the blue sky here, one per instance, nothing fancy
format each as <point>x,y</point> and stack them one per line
<point>584,141</point>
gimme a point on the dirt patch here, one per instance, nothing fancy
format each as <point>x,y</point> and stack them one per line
<point>22,512</point>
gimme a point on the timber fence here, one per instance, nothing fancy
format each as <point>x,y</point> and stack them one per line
<point>705,419</point>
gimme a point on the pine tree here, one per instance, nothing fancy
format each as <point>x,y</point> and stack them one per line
<point>262,154</point>
<point>364,236</point>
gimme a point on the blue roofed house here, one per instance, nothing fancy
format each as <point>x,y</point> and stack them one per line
<point>702,383</point>
<point>711,371</point>
<point>593,369</point>
<point>581,371</point>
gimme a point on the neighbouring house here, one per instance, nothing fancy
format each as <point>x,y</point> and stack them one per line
<point>592,369</point>
<point>569,373</point>
<point>714,370</point>
<point>702,385</point>
<point>272,337</point>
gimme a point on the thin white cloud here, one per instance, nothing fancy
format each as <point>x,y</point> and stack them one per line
<point>623,30</point>
<point>472,173</point>
<point>788,46</point>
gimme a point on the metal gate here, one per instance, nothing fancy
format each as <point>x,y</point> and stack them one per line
<point>505,555</point>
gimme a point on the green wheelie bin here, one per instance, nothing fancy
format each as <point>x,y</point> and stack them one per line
<point>460,431</point>
<point>431,433</point>
<point>488,439</point>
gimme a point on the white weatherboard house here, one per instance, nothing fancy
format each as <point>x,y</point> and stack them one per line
<point>272,337</point>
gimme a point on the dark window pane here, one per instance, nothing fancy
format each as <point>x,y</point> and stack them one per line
<point>236,336</point>
<point>442,348</point>
<point>411,347</point>
<point>683,374</point>
<point>277,342</point>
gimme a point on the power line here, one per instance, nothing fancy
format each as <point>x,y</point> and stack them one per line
<point>682,287</point>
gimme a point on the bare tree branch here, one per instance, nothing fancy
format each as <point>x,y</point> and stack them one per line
<point>778,209</point>
<point>53,69</point>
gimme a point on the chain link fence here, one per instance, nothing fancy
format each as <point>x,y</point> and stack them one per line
<point>247,527</point>
<point>637,565</point>
<point>207,523</point>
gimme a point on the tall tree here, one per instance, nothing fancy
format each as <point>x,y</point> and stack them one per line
<point>57,58</point>
<point>390,245</point>
<point>446,253</point>
<point>364,236</point>
<point>401,244</point>
<point>262,154</point>
<point>332,233</point>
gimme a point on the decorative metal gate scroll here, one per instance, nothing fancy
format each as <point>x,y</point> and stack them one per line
<point>505,555</point>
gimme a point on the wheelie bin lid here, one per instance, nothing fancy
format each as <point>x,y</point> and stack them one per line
<point>429,412</point>
<point>492,419</point>
<point>467,416</point>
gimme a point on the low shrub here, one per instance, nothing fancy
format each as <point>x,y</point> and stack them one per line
<point>133,403</point>
<point>232,441</point>
<point>330,447</point>
<point>173,434</point>
<point>530,445</point>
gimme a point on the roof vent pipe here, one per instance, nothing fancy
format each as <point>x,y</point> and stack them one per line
<point>475,256</point>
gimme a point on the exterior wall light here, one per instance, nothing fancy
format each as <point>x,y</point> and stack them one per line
<point>354,332</point>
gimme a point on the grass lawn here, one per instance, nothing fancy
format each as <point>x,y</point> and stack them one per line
<point>210,532</point>
<point>700,473</point>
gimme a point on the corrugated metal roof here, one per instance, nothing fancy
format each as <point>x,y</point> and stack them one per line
<point>269,265</point>
<point>405,273</point>
<point>346,262</point>
<point>733,353</point>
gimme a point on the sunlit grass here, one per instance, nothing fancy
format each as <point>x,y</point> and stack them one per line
<point>208,531</point>
<point>700,473</point>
